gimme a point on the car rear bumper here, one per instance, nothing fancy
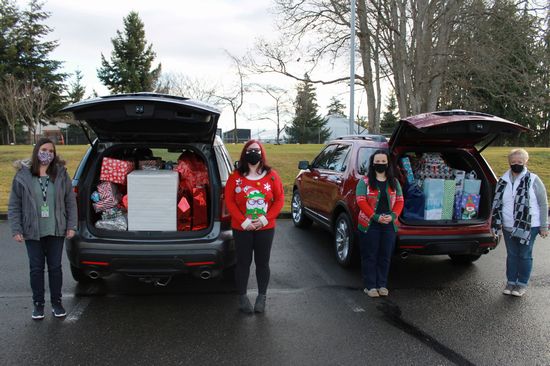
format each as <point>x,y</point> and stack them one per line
<point>446,244</point>
<point>149,257</point>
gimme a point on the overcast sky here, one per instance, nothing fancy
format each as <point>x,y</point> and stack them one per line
<point>188,37</point>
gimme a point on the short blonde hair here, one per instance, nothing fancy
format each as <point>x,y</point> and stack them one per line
<point>522,152</point>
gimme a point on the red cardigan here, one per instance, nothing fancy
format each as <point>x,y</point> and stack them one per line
<point>248,199</point>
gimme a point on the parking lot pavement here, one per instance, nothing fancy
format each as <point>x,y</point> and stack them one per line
<point>437,313</point>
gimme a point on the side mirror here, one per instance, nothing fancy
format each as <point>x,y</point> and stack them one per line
<point>236,164</point>
<point>303,165</point>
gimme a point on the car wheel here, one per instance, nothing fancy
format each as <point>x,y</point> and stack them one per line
<point>464,258</point>
<point>298,217</point>
<point>79,275</point>
<point>343,240</point>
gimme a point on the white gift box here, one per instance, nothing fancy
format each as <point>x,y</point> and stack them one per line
<point>152,200</point>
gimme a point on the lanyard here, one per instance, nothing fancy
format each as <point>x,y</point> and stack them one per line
<point>44,188</point>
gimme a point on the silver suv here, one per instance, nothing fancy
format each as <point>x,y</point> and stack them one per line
<point>167,126</point>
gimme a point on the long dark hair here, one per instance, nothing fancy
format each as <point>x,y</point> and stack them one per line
<point>35,163</point>
<point>371,174</point>
<point>243,168</point>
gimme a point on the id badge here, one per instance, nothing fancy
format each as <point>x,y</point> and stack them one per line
<point>45,211</point>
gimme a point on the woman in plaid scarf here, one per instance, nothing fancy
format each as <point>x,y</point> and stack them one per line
<point>520,211</point>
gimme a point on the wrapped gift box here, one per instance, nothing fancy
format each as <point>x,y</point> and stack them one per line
<point>433,191</point>
<point>114,170</point>
<point>152,200</point>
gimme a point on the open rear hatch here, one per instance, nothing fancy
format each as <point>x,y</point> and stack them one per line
<point>147,117</point>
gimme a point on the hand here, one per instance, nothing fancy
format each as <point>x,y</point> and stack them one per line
<point>257,224</point>
<point>70,234</point>
<point>385,219</point>
<point>18,238</point>
<point>250,227</point>
<point>543,233</point>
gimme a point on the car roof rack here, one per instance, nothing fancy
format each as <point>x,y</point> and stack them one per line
<point>378,138</point>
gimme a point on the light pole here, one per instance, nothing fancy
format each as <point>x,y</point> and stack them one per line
<point>352,67</point>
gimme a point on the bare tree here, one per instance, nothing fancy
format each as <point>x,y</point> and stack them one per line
<point>234,98</point>
<point>10,103</point>
<point>185,86</point>
<point>33,106</point>
<point>281,106</point>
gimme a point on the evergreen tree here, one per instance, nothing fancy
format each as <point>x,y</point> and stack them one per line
<point>389,118</point>
<point>131,60</point>
<point>25,55</point>
<point>336,108</point>
<point>76,89</point>
<point>307,126</point>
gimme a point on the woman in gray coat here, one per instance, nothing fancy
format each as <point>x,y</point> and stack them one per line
<point>42,213</point>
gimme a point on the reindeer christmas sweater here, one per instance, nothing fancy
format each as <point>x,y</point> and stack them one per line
<point>248,199</point>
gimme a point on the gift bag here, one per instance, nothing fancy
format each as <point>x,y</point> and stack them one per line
<point>406,163</point>
<point>449,189</point>
<point>414,203</point>
<point>471,184</point>
<point>200,218</point>
<point>469,205</point>
<point>460,175</point>
<point>114,170</point>
<point>433,191</point>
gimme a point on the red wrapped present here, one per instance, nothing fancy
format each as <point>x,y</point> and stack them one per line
<point>114,170</point>
<point>192,170</point>
<point>109,196</point>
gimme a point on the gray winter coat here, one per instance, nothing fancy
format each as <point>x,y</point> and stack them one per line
<point>22,213</point>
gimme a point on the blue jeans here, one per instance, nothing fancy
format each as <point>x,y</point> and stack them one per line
<point>48,249</point>
<point>377,246</point>
<point>519,261</point>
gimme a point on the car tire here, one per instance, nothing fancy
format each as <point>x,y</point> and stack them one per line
<point>297,210</point>
<point>79,275</point>
<point>464,258</point>
<point>344,240</point>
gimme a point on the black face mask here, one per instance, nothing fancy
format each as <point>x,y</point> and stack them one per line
<point>516,168</point>
<point>252,157</point>
<point>380,168</point>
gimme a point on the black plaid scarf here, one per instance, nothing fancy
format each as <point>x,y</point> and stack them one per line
<point>522,216</point>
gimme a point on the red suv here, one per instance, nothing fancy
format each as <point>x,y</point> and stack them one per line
<point>324,191</point>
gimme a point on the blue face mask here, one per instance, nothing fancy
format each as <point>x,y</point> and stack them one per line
<point>45,157</point>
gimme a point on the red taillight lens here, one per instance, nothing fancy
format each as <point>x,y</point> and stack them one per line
<point>197,264</point>
<point>93,263</point>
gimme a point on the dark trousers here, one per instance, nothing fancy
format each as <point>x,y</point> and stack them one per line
<point>257,242</point>
<point>377,246</point>
<point>48,249</point>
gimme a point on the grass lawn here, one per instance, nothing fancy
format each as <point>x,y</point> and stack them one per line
<point>284,158</point>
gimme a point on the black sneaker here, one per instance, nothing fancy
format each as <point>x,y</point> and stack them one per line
<point>58,310</point>
<point>244,305</point>
<point>38,311</point>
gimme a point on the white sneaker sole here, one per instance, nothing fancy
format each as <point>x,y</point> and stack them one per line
<point>59,315</point>
<point>35,317</point>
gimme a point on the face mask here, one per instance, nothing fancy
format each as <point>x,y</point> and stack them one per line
<point>380,168</point>
<point>516,168</point>
<point>252,157</point>
<point>45,157</point>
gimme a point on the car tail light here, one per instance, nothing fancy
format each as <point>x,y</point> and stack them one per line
<point>93,263</point>
<point>197,264</point>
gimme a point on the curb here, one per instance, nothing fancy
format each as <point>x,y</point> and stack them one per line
<point>282,215</point>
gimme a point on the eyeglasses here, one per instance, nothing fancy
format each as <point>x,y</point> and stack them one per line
<point>259,201</point>
<point>253,151</point>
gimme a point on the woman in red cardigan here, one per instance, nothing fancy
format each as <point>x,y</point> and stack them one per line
<point>380,200</point>
<point>254,197</point>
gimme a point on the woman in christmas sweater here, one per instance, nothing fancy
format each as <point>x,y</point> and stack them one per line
<point>254,197</point>
<point>380,200</point>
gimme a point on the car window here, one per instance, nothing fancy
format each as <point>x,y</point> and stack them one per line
<point>363,157</point>
<point>339,158</point>
<point>323,160</point>
<point>224,162</point>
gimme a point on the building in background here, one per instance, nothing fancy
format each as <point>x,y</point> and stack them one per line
<point>243,135</point>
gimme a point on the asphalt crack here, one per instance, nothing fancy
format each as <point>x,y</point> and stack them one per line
<point>392,314</point>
